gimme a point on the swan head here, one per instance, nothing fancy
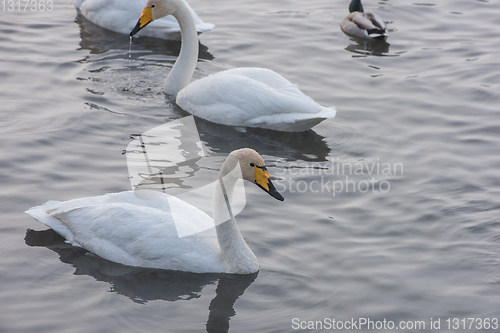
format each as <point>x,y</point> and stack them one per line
<point>154,10</point>
<point>253,169</point>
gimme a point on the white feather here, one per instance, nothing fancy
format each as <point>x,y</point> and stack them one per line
<point>252,97</point>
<point>123,228</point>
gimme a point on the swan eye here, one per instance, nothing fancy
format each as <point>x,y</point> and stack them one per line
<point>153,6</point>
<point>252,165</point>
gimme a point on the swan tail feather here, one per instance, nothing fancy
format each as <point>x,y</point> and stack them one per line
<point>43,214</point>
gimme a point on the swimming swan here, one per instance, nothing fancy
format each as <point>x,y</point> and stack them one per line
<point>120,16</point>
<point>361,24</point>
<point>250,97</point>
<point>122,228</point>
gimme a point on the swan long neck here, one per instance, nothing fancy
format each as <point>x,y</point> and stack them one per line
<point>235,252</point>
<point>184,67</point>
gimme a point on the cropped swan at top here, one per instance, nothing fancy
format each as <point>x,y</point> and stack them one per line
<point>361,24</point>
<point>122,228</point>
<point>121,15</point>
<point>249,97</point>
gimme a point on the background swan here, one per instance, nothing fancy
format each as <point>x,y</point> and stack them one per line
<point>121,15</point>
<point>122,228</point>
<point>361,24</point>
<point>251,97</point>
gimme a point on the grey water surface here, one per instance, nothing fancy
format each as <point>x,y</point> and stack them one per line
<point>391,211</point>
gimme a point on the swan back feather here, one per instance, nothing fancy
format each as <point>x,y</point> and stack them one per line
<point>252,97</point>
<point>123,228</point>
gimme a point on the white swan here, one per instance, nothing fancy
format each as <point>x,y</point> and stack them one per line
<point>361,24</point>
<point>122,228</point>
<point>249,97</point>
<point>121,15</point>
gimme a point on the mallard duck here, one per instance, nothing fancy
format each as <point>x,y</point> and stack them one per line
<point>361,24</point>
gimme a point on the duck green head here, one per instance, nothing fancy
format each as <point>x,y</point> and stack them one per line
<point>355,6</point>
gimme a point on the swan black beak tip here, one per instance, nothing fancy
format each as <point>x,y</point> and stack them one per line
<point>136,28</point>
<point>278,196</point>
<point>262,180</point>
<point>272,191</point>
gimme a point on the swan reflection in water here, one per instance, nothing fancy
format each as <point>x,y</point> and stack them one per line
<point>143,285</point>
<point>308,146</point>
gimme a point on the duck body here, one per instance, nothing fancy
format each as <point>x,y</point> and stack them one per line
<point>363,25</point>
<point>252,97</point>
<point>129,230</point>
<point>120,16</point>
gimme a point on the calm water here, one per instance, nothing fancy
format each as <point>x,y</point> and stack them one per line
<point>391,209</point>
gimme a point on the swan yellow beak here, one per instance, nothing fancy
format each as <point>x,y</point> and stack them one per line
<point>144,20</point>
<point>262,180</point>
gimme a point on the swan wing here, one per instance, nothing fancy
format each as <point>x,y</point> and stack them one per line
<point>123,228</point>
<point>253,97</point>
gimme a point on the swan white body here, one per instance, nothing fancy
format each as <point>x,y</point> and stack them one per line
<point>123,228</point>
<point>248,97</point>
<point>363,25</point>
<point>252,97</point>
<point>121,15</point>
